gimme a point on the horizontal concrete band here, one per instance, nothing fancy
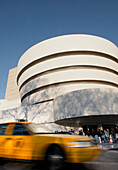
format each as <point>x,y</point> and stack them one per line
<point>45,58</point>
<point>67,76</point>
<point>67,61</point>
<point>87,102</point>
<point>66,83</point>
<point>67,43</point>
<point>66,68</point>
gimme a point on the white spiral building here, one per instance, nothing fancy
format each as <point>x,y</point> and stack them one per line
<point>79,73</point>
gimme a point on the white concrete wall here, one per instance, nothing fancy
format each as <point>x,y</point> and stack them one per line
<point>39,113</point>
<point>89,102</point>
<point>6,104</point>
<point>12,92</point>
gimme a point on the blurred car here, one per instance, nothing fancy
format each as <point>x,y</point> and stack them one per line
<point>30,142</point>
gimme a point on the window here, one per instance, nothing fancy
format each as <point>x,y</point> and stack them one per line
<point>3,128</point>
<point>20,130</point>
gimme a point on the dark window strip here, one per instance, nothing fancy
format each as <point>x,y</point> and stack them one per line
<point>65,54</point>
<point>67,83</point>
<point>43,101</point>
<point>67,68</point>
<point>87,120</point>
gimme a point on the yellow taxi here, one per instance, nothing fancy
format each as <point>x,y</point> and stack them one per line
<point>23,141</point>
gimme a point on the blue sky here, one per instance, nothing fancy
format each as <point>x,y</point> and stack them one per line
<point>23,23</point>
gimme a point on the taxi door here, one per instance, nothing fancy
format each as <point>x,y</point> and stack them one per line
<point>3,128</point>
<point>8,142</point>
<point>22,142</point>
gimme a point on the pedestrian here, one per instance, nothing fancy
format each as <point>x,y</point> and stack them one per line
<point>102,136</point>
<point>93,133</point>
<point>80,132</point>
<point>113,135</point>
<point>106,136</point>
<point>88,133</point>
<point>116,131</point>
<point>99,135</point>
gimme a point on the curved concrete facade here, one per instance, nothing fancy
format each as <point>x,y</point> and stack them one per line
<point>64,64</point>
<point>91,106</point>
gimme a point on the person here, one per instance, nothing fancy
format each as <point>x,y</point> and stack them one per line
<point>106,136</point>
<point>116,131</point>
<point>93,133</point>
<point>72,130</point>
<point>99,135</point>
<point>97,138</point>
<point>80,132</point>
<point>113,135</point>
<point>102,136</point>
<point>99,132</point>
<point>88,133</point>
<point>110,140</point>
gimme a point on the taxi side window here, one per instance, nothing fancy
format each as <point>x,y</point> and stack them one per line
<point>20,130</point>
<point>3,128</point>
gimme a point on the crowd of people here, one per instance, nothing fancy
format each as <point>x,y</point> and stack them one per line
<point>103,136</point>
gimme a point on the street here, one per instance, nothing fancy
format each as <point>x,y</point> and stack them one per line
<point>107,161</point>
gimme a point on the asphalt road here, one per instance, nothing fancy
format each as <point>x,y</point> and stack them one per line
<point>107,161</point>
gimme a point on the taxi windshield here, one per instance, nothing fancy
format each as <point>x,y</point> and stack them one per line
<point>38,128</point>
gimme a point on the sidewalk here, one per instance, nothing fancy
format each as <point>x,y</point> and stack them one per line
<point>113,146</point>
